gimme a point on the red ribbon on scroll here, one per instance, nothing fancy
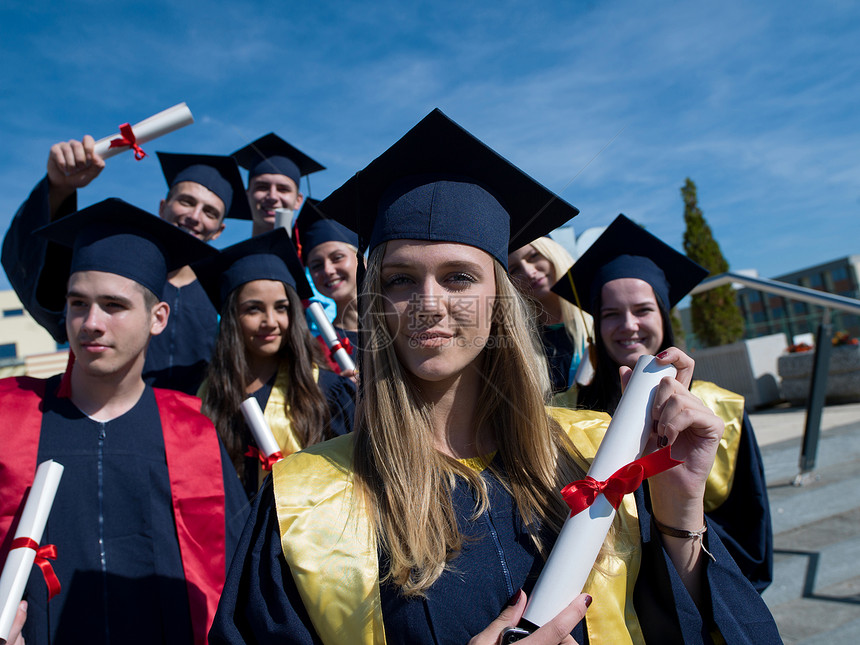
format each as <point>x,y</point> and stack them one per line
<point>128,139</point>
<point>581,494</point>
<point>43,553</point>
<point>267,461</point>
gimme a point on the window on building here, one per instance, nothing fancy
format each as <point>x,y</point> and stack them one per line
<point>839,273</point>
<point>8,350</point>
<point>11,313</point>
<point>816,281</point>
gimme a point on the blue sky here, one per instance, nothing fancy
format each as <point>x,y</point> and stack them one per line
<point>613,104</point>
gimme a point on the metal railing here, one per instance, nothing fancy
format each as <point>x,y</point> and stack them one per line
<point>784,289</point>
<point>818,386</point>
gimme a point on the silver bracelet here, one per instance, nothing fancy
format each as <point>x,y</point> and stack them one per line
<point>680,533</point>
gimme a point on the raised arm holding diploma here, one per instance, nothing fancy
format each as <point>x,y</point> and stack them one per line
<point>130,137</point>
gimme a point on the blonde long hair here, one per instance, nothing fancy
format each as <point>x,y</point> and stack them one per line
<point>577,323</point>
<point>407,483</point>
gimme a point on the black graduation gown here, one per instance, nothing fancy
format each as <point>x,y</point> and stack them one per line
<point>261,603</point>
<point>743,521</point>
<point>176,359</point>
<point>559,352</point>
<point>118,562</point>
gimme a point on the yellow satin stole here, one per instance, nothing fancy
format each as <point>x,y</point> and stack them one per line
<point>729,407</point>
<point>278,417</point>
<point>331,548</point>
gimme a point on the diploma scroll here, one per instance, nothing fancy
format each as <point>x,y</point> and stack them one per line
<point>343,359</point>
<point>155,126</point>
<point>260,429</point>
<point>584,372</point>
<point>284,219</point>
<point>19,562</point>
<point>582,535</point>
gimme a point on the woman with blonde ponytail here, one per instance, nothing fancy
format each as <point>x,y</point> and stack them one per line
<point>565,329</point>
<point>432,520</point>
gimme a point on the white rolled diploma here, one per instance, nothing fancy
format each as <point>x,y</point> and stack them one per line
<point>19,562</point>
<point>155,126</point>
<point>585,371</point>
<point>284,219</point>
<point>259,428</point>
<point>582,535</point>
<point>342,357</point>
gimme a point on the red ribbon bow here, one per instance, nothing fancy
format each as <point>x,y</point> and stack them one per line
<point>128,139</point>
<point>581,494</point>
<point>43,553</point>
<point>267,461</point>
<point>340,343</point>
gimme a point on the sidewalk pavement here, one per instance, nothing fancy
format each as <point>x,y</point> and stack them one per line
<point>815,595</point>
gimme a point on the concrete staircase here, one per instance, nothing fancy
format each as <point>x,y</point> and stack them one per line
<point>815,596</point>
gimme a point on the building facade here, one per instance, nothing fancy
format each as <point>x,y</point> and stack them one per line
<point>766,314</point>
<point>25,347</point>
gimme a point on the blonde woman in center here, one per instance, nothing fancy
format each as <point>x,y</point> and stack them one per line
<point>430,523</point>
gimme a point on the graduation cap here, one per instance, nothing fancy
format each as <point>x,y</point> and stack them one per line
<point>626,250</point>
<point>272,155</point>
<point>218,173</point>
<point>270,256</point>
<point>440,183</point>
<point>313,229</point>
<point>115,237</point>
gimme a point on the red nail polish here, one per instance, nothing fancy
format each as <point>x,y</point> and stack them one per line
<point>515,598</point>
<point>587,601</point>
<point>662,354</point>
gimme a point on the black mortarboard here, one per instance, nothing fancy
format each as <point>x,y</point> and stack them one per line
<point>440,183</point>
<point>218,173</point>
<point>115,237</point>
<point>270,256</point>
<point>626,250</point>
<point>272,155</point>
<point>313,229</point>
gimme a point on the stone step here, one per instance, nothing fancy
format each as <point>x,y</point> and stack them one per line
<point>831,616</point>
<point>837,446</point>
<point>793,507</point>
<point>815,556</point>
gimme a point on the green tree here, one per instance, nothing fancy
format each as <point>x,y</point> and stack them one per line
<point>717,320</point>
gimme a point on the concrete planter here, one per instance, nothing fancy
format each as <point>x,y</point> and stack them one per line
<point>747,367</point>
<point>843,376</point>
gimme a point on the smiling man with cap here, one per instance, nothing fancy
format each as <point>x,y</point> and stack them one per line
<point>149,506</point>
<point>275,169</point>
<point>200,196</point>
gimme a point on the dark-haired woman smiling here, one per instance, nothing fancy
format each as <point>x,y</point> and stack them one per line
<point>264,350</point>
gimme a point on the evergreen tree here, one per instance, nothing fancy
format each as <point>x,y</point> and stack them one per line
<point>717,320</point>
